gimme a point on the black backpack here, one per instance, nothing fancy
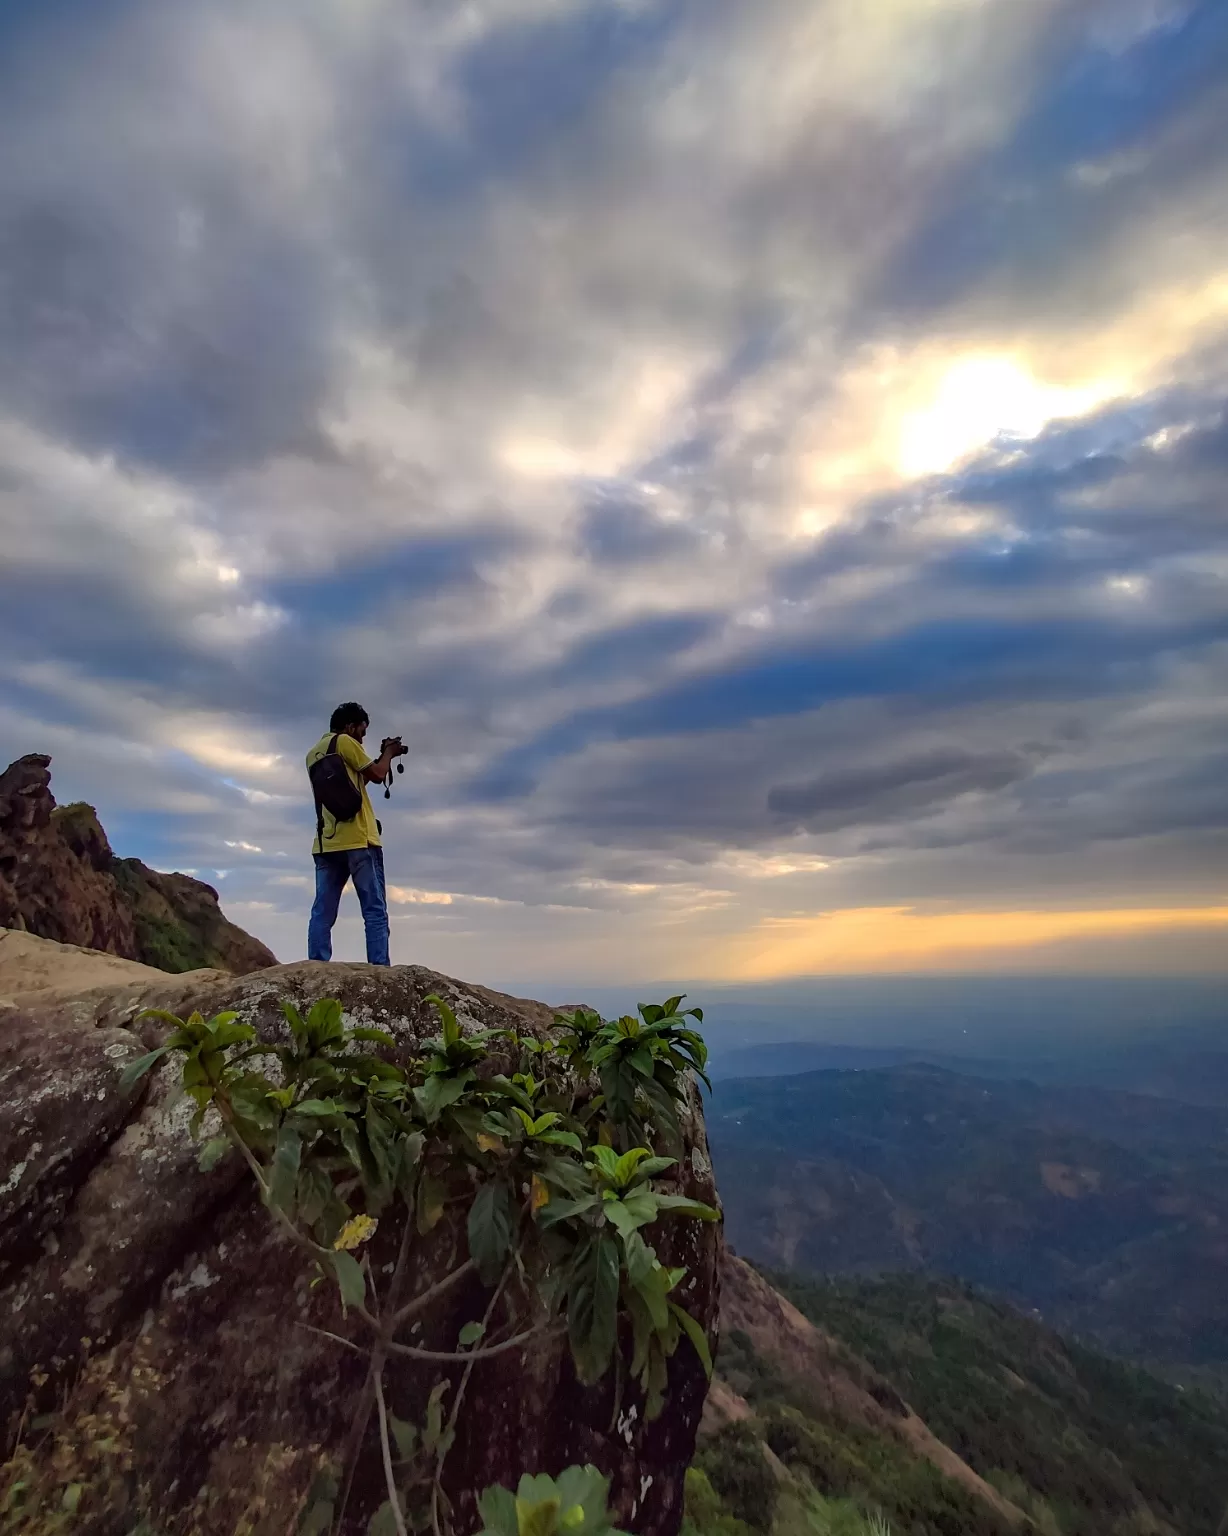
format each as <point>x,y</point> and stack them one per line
<point>333,789</point>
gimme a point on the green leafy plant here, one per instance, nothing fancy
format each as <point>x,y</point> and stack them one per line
<point>574,1505</point>
<point>553,1150</point>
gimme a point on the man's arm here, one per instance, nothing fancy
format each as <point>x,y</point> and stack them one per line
<point>378,771</point>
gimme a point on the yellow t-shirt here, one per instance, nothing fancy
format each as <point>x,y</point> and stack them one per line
<point>362,831</point>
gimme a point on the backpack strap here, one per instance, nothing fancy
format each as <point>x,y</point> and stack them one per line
<point>332,747</point>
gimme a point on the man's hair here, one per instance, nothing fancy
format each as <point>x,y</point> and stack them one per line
<point>348,714</point>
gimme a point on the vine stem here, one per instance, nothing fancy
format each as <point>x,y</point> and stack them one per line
<point>375,1370</point>
<point>386,1449</point>
<point>433,1292</point>
<point>305,1243</point>
<point>469,1356</point>
<point>495,1349</point>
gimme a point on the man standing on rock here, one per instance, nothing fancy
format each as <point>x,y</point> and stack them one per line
<point>347,845</point>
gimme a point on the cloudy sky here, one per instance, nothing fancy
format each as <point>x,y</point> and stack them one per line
<point>769,458</point>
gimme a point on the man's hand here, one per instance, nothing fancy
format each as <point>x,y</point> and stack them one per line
<point>391,747</point>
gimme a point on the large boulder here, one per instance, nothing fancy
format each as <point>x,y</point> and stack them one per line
<point>169,1308</point>
<point>60,880</point>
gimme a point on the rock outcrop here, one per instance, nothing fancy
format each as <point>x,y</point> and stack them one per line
<point>60,880</point>
<point>164,1307</point>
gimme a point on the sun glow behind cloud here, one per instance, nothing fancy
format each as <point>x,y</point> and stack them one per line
<point>980,399</point>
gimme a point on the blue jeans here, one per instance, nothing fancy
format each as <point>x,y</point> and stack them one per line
<point>365,866</point>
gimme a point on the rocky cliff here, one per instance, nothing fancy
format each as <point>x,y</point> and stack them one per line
<point>163,1310</point>
<point>60,880</point>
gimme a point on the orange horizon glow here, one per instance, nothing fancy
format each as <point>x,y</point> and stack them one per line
<point>892,938</point>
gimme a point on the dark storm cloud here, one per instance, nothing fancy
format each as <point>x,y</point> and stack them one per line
<point>620,531</point>
<point>877,792</point>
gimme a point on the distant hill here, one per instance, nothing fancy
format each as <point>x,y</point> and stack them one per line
<point>1070,1442</point>
<point>1107,1212</point>
<point>60,880</point>
<point>1185,1062</point>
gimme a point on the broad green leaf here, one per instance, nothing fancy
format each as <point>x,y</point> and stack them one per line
<point>405,1435</point>
<point>663,1107</point>
<point>383,1522</point>
<point>537,1517</point>
<point>228,1032</point>
<point>438,1092</point>
<point>347,1134</point>
<point>435,1435</point>
<point>625,1167</point>
<point>643,1330</point>
<point>162,1016</point>
<point>627,1217</point>
<point>470,1334</point>
<point>324,1026</point>
<point>490,1229</point>
<point>283,1177</point>
<point>317,1107</point>
<point>563,1210</point>
<point>640,1060</point>
<point>605,1159</point>
<point>136,1070</point>
<point>655,1382</point>
<point>431,1198</point>
<point>350,1279</point>
<point>618,1086</point>
<point>639,1258</point>
<point>592,1310</point>
<point>563,1174</point>
<point>384,1150</point>
<point>684,1206</point>
<point>653,1290</point>
<point>194,1073</point>
<point>317,1518</point>
<point>585,1489</point>
<point>249,1098</point>
<point>407,1171</point>
<point>315,1193</point>
<point>650,1167</point>
<point>451,1029</point>
<point>373,1036</point>
<point>696,1335</point>
<point>212,1153</point>
<point>497,1507</point>
<point>294,1019</point>
<point>561,1139</point>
